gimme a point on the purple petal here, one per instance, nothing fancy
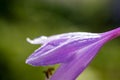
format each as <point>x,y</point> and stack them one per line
<point>61,50</point>
<point>72,69</point>
<point>73,50</point>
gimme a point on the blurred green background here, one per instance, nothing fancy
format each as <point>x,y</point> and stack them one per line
<point>20,19</point>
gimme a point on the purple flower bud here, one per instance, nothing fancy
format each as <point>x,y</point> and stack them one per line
<point>74,51</point>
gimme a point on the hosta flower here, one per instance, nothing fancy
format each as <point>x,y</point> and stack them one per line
<point>73,51</point>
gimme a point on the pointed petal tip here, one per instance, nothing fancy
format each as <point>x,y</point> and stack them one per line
<point>29,40</point>
<point>29,62</point>
<point>34,62</point>
<point>26,61</point>
<point>39,40</point>
<point>34,41</point>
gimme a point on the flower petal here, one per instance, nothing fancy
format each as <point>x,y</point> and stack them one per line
<point>40,40</point>
<point>53,52</point>
<point>65,36</point>
<point>72,69</point>
<point>73,50</point>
